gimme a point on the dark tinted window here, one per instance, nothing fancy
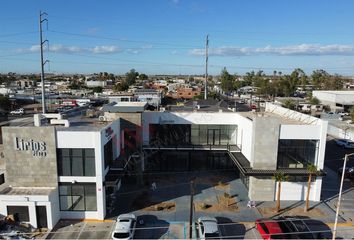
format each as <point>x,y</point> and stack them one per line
<point>121,235</point>
<point>20,213</point>
<point>76,162</point>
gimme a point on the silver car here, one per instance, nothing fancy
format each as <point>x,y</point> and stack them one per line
<point>125,227</point>
<point>207,228</point>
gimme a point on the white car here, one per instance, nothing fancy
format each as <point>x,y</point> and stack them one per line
<point>346,143</point>
<point>125,227</point>
<point>208,228</point>
<point>342,114</point>
<point>20,111</point>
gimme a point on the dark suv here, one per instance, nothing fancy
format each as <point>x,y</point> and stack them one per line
<point>295,228</point>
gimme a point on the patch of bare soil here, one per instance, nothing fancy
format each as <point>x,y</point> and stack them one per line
<point>224,204</point>
<point>164,206</point>
<point>298,211</point>
<point>143,202</point>
<point>216,180</point>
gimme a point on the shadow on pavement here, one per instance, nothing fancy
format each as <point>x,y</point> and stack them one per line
<point>230,229</point>
<point>150,227</point>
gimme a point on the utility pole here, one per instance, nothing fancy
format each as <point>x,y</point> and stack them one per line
<point>41,43</point>
<point>206,67</point>
<point>191,211</point>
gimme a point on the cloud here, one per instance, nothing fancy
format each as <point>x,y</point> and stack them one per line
<point>58,48</point>
<point>291,50</point>
<point>105,49</point>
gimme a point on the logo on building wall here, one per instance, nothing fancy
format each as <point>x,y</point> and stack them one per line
<point>37,149</point>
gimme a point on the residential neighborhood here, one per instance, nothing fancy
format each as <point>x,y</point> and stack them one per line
<point>158,137</point>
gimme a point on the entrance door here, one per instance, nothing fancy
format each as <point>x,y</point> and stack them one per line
<point>41,213</point>
<point>214,136</point>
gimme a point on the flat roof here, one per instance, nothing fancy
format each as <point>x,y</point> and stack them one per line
<point>283,120</point>
<point>79,123</point>
<point>7,190</point>
<point>338,92</point>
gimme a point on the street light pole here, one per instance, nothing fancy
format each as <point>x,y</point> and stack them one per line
<point>340,194</point>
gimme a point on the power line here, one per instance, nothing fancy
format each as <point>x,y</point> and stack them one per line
<point>20,33</point>
<point>121,39</point>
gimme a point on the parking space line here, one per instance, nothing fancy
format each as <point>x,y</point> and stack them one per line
<point>82,229</point>
<point>111,231</point>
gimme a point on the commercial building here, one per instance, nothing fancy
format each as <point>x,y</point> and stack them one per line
<point>341,100</point>
<point>259,144</point>
<point>58,170</point>
<point>62,171</point>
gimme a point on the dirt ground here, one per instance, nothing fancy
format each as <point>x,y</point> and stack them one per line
<point>143,202</point>
<point>223,204</point>
<point>298,211</point>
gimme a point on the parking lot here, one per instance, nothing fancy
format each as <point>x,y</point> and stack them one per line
<point>209,186</point>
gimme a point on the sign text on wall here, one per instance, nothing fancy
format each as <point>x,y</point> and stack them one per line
<point>37,149</point>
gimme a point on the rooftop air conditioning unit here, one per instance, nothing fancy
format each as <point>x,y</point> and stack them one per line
<point>102,119</point>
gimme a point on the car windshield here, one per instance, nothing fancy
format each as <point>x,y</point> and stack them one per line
<point>121,235</point>
<point>212,235</point>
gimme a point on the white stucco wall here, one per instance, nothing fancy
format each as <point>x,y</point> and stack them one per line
<point>96,140</point>
<point>296,191</point>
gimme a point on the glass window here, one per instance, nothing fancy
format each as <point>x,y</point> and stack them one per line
<point>90,197</point>
<point>76,162</point>
<point>77,165</point>
<point>77,197</point>
<point>78,194</point>
<point>297,153</point>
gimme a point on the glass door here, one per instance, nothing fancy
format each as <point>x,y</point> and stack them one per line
<point>213,136</point>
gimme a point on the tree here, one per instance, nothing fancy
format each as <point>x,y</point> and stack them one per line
<point>120,87</point>
<point>319,77</point>
<point>5,103</point>
<point>289,104</point>
<point>312,170</point>
<point>143,76</point>
<point>226,80</point>
<point>314,101</point>
<point>334,82</point>
<point>130,77</point>
<point>279,177</point>
<point>97,89</point>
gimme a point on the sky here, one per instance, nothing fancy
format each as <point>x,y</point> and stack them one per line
<point>169,36</point>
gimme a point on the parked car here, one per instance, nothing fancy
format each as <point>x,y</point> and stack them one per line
<point>346,143</point>
<point>269,229</point>
<point>19,111</point>
<point>125,227</point>
<point>348,173</point>
<point>297,227</point>
<point>207,227</point>
<point>342,114</point>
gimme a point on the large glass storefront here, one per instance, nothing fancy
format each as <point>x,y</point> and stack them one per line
<point>192,134</point>
<point>297,153</point>
<point>77,196</point>
<point>189,161</point>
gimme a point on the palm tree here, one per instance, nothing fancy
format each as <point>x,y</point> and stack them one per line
<point>279,177</point>
<point>312,170</point>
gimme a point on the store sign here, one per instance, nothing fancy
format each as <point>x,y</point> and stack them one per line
<point>108,132</point>
<point>37,149</point>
